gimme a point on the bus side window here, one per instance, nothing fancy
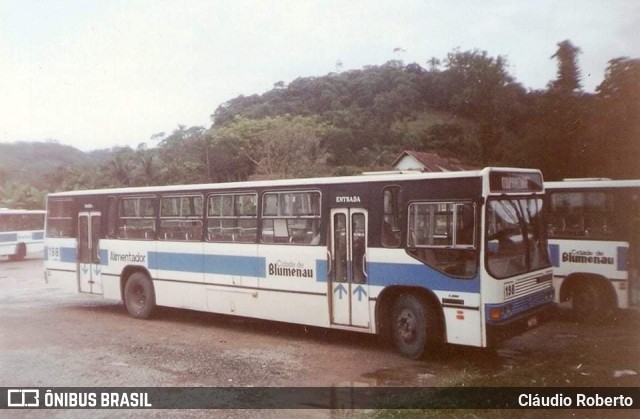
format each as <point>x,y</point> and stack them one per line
<point>582,214</point>
<point>556,224</point>
<point>291,217</point>
<point>232,218</point>
<point>137,218</point>
<point>181,218</point>
<point>391,217</point>
<point>60,218</point>
<point>442,235</point>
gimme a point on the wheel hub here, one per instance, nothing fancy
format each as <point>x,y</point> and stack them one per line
<point>407,325</point>
<point>140,298</point>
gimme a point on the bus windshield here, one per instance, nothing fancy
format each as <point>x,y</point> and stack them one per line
<point>515,239</point>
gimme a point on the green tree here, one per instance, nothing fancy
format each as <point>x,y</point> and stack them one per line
<point>292,148</point>
<point>568,81</point>
<point>480,88</point>
<point>119,169</point>
<point>182,157</point>
<point>566,111</point>
<point>232,149</point>
<point>21,196</point>
<point>146,171</point>
<point>279,147</point>
<point>554,135</point>
<point>615,122</point>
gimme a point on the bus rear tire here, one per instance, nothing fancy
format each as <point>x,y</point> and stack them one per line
<point>139,296</point>
<point>21,252</point>
<point>414,327</point>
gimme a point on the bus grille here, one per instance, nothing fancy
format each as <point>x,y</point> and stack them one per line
<point>532,285</point>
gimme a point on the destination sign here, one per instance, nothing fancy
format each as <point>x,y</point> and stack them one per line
<point>515,182</point>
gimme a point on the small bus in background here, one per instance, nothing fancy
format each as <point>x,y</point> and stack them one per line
<point>21,233</point>
<point>419,258</point>
<point>594,244</point>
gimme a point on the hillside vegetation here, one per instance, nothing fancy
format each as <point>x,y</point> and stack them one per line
<point>467,106</point>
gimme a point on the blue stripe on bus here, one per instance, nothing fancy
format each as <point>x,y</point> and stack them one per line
<point>104,257</point>
<point>68,254</point>
<point>235,265</point>
<point>183,262</point>
<point>623,258</point>
<point>418,275</point>
<point>215,264</point>
<point>406,274</point>
<point>13,237</point>
<point>8,237</point>
<point>321,270</point>
<point>554,254</point>
<point>380,273</point>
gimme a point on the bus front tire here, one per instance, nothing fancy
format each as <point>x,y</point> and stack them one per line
<point>591,303</point>
<point>414,327</point>
<point>139,296</point>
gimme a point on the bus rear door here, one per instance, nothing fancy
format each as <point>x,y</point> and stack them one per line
<point>88,252</point>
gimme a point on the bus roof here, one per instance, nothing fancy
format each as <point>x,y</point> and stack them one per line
<point>370,177</point>
<point>20,211</point>
<point>592,184</point>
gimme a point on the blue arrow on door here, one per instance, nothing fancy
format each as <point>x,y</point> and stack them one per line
<point>340,289</point>
<point>360,292</point>
<point>85,269</point>
<point>96,270</point>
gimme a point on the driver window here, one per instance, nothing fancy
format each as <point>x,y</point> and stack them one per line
<point>442,235</point>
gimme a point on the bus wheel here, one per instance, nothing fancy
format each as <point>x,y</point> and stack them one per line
<point>21,252</point>
<point>413,327</point>
<point>139,295</point>
<point>591,303</point>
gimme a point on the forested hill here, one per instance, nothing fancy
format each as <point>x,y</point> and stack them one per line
<point>28,169</point>
<point>31,161</point>
<point>466,106</point>
<point>372,114</point>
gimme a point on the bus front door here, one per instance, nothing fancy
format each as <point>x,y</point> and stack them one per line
<point>348,282</point>
<point>88,252</point>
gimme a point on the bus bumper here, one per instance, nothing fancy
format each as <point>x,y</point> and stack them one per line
<point>498,332</point>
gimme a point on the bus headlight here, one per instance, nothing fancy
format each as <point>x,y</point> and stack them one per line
<point>507,310</point>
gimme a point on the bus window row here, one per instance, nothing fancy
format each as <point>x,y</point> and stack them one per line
<point>588,214</point>
<point>21,222</point>
<point>287,217</point>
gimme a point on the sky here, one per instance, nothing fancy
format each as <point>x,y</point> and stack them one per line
<point>102,73</point>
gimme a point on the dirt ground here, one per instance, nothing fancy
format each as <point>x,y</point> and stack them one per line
<point>52,338</point>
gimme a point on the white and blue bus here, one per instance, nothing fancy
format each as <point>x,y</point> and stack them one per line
<point>594,243</point>
<point>419,258</point>
<point>21,233</point>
